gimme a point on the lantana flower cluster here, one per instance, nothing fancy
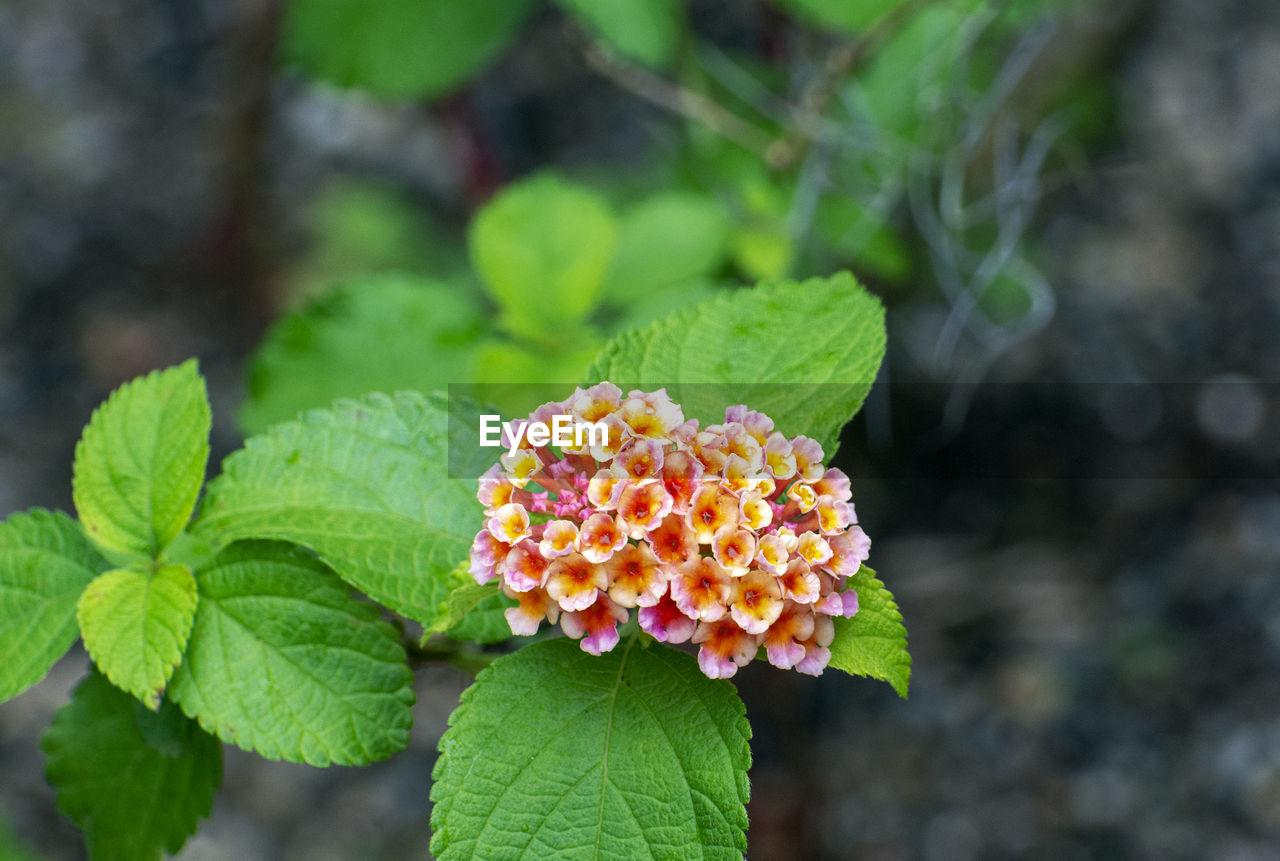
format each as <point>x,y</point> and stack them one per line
<point>731,536</point>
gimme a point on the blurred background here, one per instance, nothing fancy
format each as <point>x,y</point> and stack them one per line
<point>1068,467</point>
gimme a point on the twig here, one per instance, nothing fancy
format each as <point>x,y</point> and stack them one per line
<point>843,60</point>
<point>677,99</point>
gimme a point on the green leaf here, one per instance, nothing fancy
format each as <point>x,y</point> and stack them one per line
<point>666,240</point>
<point>472,611</point>
<point>136,782</point>
<point>141,461</point>
<point>383,333</point>
<point>554,753</point>
<point>283,661</point>
<point>398,48</point>
<point>135,626</point>
<point>365,485</point>
<point>520,376</point>
<point>45,563</point>
<point>542,247</point>
<point>804,353</point>
<point>643,30</point>
<point>874,642</point>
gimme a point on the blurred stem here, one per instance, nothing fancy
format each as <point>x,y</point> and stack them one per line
<point>461,655</point>
<point>805,124</point>
<point>676,99</point>
<point>844,59</point>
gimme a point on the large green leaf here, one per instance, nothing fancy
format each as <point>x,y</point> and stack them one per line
<point>805,354</point>
<point>874,642</point>
<point>283,661</point>
<point>136,782</point>
<point>383,334</point>
<point>667,240</point>
<point>45,563</point>
<point>140,464</point>
<point>135,625</point>
<point>543,247</point>
<point>398,48</point>
<point>644,30</point>
<point>365,485</point>
<point>554,753</point>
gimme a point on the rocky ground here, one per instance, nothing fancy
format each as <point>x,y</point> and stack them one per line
<point>1088,565</point>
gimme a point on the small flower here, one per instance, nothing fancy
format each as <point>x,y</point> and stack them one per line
<point>753,511</point>
<point>772,554</point>
<point>487,554</point>
<point>785,639</point>
<point>526,567</point>
<point>816,654</point>
<point>673,541</point>
<point>779,459</point>
<point>640,460</point>
<point>700,588</point>
<point>559,537</point>
<point>495,490</point>
<point>509,524</point>
<point>808,454</point>
<point>665,622</point>
<point>813,548</point>
<point>734,549</point>
<point>573,581</point>
<point>848,552</point>
<point>725,647</point>
<point>531,608</point>
<point>599,536</point>
<point>800,583</point>
<point>756,602</point>
<point>597,625</point>
<point>681,476</point>
<point>712,509</point>
<point>520,465</point>
<point>642,507</point>
<point>834,516</point>
<point>636,577</point>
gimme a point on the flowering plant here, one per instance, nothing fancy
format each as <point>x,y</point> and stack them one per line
<point>231,619</point>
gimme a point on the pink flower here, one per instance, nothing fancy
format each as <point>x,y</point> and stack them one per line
<point>665,622</point>
<point>725,647</point>
<point>733,536</point>
<point>597,625</point>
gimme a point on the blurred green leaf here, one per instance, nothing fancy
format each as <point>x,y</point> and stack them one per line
<point>45,563</point>
<point>664,240</point>
<point>543,247</point>
<point>507,362</point>
<point>643,30</point>
<point>381,333</point>
<point>135,626</point>
<point>398,48</point>
<point>140,464</point>
<point>136,782</point>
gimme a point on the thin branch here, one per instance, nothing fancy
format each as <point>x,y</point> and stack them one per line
<point>844,60</point>
<point>677,99</point>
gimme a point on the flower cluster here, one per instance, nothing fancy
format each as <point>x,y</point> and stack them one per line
<point>730,536</point>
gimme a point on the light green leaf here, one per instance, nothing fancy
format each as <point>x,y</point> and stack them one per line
<point>643,30</point>
<point>141,460</point>
<point>874,642</point>
<point>516,378</point>
<point>383,333</point>
<point>554,753</point>
<point>45,563</point>
<point>542,247</point>
<point>136,782</point>
<point>472,611</point>
<point>365,485</point>
<point>398,48</point>
<point>283,661</point>
<point>805,354</point>
<point>135,626</point>
<point>667,240</point>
